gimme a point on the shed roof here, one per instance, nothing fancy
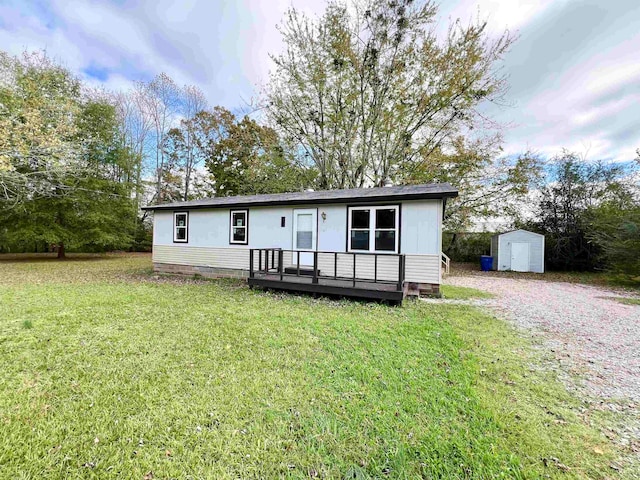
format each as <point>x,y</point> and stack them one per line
<point>351,195</point>
<point>517,230</point>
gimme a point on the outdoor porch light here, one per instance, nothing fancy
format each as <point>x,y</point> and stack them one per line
<point>324,216</point>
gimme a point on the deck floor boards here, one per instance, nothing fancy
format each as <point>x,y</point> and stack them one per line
<point>328,285</point>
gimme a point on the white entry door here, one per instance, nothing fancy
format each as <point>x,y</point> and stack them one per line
<point>304,235</point>
<point>520,257</point>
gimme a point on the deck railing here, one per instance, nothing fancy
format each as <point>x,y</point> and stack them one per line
<point>354,267</point>
<point>446,263</point>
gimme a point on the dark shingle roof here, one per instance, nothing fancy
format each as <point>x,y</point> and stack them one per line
<point>352,195</point>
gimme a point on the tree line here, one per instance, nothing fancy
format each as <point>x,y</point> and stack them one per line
<point>588,211</point>
<point>367,94</point>
<point>77,163</point>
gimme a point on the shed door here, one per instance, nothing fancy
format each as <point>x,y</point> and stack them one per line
<point>304,234</point>
<point>520,257</point>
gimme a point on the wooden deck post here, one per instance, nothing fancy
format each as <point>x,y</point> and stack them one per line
<point>400,272</point>
<point>375,268</point>
<point>315,267</point>
<point>251,263</point>
<point>354,269</point>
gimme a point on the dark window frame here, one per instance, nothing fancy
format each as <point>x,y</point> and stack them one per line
<point>372,227</point>
<point>186,227</point>
<point>246,226</point>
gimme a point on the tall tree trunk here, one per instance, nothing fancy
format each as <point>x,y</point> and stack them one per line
<point>61,250</point>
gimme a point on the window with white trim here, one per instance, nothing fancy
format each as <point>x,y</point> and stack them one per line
<point>239,231</point>
<point>181,227</point>
<point>373,229</point>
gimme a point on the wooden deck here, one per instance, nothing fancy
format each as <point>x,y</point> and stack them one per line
<point>328,286</point>
<point>281,269</point>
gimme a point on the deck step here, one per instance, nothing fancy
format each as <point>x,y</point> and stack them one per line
<point>303,271</point>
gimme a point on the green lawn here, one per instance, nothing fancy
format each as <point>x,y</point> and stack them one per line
<point>600,279</point>
<point>454,292</point>
<point>627,300</point>
<point>111,372</point>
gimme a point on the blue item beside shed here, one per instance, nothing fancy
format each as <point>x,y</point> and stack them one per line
<point>486,262</point>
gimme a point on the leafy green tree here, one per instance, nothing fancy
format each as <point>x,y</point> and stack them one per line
<point>573,190</point>
<point>70,184</point>
<point>39,104</point>
<point>243,157</point>
<point>489,185</point>
<point>181,143</point>
<point>616,228</point>
<point>369,92</point>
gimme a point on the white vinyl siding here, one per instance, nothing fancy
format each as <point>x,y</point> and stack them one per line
<point>418,268</point>
<point>365,266</point>
<point>422,269</point>
<point>203,256</point>
<point>420,231</point>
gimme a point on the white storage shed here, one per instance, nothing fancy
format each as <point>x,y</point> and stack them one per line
<point>518,251</point>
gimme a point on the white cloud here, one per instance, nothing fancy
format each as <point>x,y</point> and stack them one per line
<point>264,39</point>
<point>574,69</point>
<point>576,82</point>
<point>500,14</point>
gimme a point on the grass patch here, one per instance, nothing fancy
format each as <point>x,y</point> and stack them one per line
<point>453,292</point>
<point>601,279</point>
<point>626,300</point>
<point>128,374</point>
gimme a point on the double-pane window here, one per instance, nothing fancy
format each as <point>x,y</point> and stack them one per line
<point>373,229</point>
<point>180,227</point>
<point>239,227</point>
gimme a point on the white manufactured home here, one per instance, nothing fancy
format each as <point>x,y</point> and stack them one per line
<point>370,242</point>
<point>518,251</point>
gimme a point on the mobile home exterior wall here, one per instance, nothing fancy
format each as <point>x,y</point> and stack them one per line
<point>208,248</point>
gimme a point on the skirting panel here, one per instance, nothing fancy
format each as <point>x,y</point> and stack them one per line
<point>209,272</point>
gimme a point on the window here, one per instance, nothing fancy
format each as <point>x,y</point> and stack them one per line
<point>180,227</point>
<point>373,229</point>
<point>239,232</point>
<point>304,224</point>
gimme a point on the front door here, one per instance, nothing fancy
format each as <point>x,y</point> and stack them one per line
<point>304,235</point>
<point>520,257</point>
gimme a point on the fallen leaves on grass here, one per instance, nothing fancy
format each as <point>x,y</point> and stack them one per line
<point>555,462</point>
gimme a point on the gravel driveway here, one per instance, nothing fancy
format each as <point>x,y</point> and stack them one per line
<point>589,332</point>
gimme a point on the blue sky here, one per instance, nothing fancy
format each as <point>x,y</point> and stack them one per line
<point>574,71</point>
